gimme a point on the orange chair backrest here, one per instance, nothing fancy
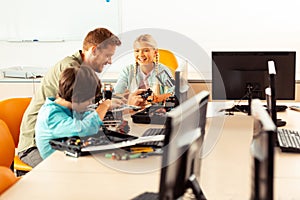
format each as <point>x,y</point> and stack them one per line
<point>7,146</point>
<point>11,111</point>
<point>168,59</point>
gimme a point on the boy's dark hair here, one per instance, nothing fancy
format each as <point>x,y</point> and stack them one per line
<point>100,37</point>
<point>78,84</point>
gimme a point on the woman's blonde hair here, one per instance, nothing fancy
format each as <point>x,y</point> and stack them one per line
<point>145,38</point>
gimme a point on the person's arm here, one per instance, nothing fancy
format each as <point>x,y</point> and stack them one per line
<point>103,108</point>
<point>62,125</point>
<point>123,80</point>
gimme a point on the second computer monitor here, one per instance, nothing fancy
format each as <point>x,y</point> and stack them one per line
<point>236,75</point>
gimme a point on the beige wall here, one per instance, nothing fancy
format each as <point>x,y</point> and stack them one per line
<point>23,89</point>
<point>28,89</point>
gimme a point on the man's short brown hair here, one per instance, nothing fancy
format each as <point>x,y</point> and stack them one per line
<point>100,37</point>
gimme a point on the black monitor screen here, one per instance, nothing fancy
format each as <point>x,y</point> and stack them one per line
<point>185,128</point>
<point>235,74</point>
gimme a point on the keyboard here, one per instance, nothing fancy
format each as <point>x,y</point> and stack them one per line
<point>147,196</point>
<point>288,140</point>
<point>152,132</point>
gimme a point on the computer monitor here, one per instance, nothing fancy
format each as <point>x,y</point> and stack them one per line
<point>181,83</point>
<point>263,152</point>
<point>185,130</point>
<point>244,75</point>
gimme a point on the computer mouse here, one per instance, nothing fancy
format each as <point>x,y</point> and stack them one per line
<point>280,123</point>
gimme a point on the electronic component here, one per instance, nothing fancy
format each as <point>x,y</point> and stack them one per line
<point>146,94</point>
<point>107,91</point>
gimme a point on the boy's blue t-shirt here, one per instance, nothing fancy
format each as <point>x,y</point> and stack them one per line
<point>56,121</point>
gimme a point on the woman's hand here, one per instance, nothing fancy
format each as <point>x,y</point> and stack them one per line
<point>135,98</point>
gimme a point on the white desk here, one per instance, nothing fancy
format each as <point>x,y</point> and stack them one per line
<point>225,172</point>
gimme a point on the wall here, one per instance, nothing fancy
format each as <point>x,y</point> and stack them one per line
<point>214,25</point>
<point>56,20</point>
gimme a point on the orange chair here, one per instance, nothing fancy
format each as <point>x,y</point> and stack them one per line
<point>7,152</point>
<point>168,59</point>
<point>7,178</point>
<point>12,111</point>
<point>7,146</point>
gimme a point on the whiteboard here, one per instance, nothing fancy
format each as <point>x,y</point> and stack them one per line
<point>56,20</point>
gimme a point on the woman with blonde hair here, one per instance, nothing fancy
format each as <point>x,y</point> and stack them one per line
<point>142,74</point>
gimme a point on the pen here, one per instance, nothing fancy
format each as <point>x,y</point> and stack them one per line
<point>37,40</point>
<point>34,40</point>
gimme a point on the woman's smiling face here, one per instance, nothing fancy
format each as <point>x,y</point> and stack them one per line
<point>144,54</point>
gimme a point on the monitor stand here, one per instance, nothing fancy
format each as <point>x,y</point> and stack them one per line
<point>249,95</point>
<point>194,185</point>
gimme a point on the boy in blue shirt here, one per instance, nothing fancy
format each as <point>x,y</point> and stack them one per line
<point>68,115</point>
